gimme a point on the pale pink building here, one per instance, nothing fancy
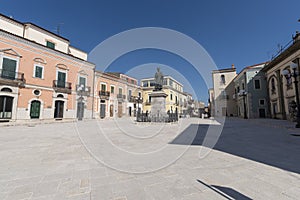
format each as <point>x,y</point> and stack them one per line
<point>41,75</point>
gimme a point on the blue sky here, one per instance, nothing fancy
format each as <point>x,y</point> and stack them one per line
<point>231,31</point>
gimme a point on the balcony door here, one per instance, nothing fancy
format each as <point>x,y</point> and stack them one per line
<point>61,79</point>
<point>9,67</point>
<point>6,104</point>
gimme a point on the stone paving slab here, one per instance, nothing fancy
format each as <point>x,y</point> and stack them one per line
<point>49,161</point>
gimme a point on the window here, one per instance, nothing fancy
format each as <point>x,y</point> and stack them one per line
<point>273,89</point>
<point>61,79</point>
<point>129,93</point>
<point>171,82</point>
<point>120,91</point>
<point>261,102</point>
<point>38,71</point>
<point>112,89</point>
<point>257,84</point>
<point>171,97</point>
<point>140,94</point>
<point>103,87</point>
<point>50,45</point>
<point>9,68</point>
<point>132,82</point>
<point>82,81</point>
<point>145,83</point>
<point>152,83</point>
<point>243,86</point>
<point>223,79</point>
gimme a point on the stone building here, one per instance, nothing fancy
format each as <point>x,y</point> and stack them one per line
<point>280,82</point>
<point>251,92</point>
<point>222,102</point>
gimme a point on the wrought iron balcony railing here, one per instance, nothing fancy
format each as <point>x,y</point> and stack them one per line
<point>83,90</point>
<point>62,86</point>
<point>104,94</point>
<point>11,77</point>
<point>121,96</point>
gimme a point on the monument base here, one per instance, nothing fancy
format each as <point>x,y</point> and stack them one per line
<point>158,107</point>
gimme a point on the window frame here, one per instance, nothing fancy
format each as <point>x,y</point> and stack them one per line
<point>11,58</point>
<point>79,80</point>
<point>50,42</point>
<point>254,82</point>
<point>34,71</point>
<point>112,91</point>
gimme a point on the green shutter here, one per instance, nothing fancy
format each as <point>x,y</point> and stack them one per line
<point>9,68</point>
<point>38,72</point>
<point>82,81</point>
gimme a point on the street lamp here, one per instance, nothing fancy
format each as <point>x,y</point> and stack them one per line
<point>243,94</point>
<point>81,89</point>
<point>294,67</point>
<point>138,99</point>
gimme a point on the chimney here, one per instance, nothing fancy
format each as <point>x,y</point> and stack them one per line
<point>232,66</point>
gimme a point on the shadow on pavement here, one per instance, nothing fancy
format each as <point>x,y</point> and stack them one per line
<point>226,192</point>
<point>271,146</point>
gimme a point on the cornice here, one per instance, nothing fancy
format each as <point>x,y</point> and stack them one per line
<point>44,48</point>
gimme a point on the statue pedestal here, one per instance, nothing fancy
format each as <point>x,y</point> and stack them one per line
<point>158,106</point>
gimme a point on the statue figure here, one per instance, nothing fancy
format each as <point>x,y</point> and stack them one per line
<point>159,79</point>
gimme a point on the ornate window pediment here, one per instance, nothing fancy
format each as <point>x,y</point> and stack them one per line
<point>82,72</point>
<point>11,52</point>
<point>39,60</point>
<point>62,66</point>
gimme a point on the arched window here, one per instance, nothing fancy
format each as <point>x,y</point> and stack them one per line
<point>223,79</point>
<point>60,96</point>
<point>6,90</point>
<point>273,88</point>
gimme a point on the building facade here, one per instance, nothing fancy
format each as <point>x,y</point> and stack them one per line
<point>223,103</point>
<point>115,95</point>
<point>251,92</point>
<point>41,75</point>
<point>280,81</point>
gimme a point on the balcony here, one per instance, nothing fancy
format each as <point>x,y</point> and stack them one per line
<point>131,99</point>
<point>104,95</point>
<point>121,97</point>
<point>61,86</point>
<point>83,90</point>
<point>11,78</point>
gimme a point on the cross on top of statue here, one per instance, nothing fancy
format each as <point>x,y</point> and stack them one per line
<point>159,79</point>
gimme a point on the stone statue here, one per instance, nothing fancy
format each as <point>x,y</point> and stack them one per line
<point>159,79</point>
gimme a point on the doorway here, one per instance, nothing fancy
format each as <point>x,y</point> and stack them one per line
<point>6,104</point>
<point>59,109</point>
<point>262,113</point>
<point>120,109</point>
<point>111,110</point>
<point>35,108</point>
<point>80,110</point>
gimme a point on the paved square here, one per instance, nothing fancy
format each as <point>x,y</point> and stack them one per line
<point>253,159</point>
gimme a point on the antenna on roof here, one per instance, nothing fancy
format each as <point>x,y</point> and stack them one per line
<point>58,28</point>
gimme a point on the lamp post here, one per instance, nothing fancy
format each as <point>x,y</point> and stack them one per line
<point>294,67</point>
<point>243,93</point>
<point>138,99</point>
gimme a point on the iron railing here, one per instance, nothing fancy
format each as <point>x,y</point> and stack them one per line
<point>62,84</point>
<point>12,75</point>
<point>83,90</point>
